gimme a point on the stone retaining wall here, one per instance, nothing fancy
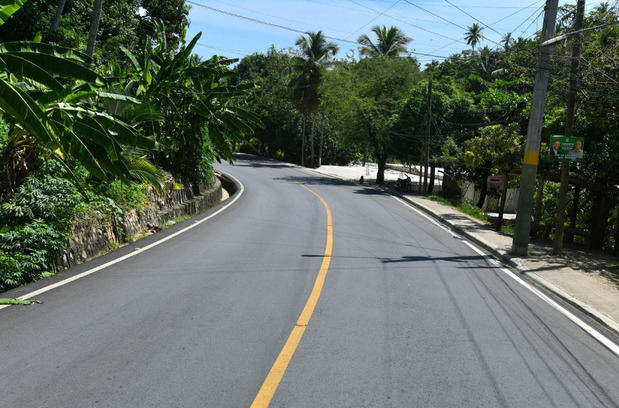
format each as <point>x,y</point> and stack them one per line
<point>99,234</point>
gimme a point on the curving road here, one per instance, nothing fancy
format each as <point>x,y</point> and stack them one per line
<point>409,316</point>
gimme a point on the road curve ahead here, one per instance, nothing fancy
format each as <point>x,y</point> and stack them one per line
<point>408,315</point>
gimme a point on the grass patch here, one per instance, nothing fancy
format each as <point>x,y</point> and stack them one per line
<point>9,301</point>
<point>177,220</point>
<point>465,207</point>
<point>473,210</point>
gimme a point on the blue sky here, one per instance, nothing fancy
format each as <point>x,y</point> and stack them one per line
<point>437,31</point>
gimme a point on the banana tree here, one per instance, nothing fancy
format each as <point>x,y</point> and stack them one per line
<point>199,106</point>
<point>54,103</point>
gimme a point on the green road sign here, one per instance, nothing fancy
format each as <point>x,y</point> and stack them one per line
<point>566,148</point>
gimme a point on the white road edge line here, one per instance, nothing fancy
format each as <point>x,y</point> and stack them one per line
<point>132,254</point>
<point>590,330</point>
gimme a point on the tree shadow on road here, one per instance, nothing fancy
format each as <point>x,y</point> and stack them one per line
<point>314,180</point>
<point>430,258</point>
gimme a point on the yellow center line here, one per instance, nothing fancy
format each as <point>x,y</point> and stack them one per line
<point>267,391</point>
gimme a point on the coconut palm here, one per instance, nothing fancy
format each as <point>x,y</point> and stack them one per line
<point>389,42</point>
<point>473,35</point>
<point>314,54</point>
<point>94,27</point>
<point>508,40</point>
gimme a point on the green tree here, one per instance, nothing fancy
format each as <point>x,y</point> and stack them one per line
<point>389,42</point>
<point>314,54</point>
<point>203,112</point>
<point>364,97</point>
<point>473,36</point>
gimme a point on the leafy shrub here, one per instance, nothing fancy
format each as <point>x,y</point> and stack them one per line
<point>126,196</point>
<point>31,247</point>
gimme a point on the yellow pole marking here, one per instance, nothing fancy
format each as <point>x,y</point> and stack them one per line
<point>531,158</point>
<point>267,391</point>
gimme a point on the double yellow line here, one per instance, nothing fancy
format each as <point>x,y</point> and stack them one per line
<point>266,392</point>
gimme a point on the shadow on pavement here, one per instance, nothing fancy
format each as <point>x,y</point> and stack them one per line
<point>371,191</point>
<point>314,180</point>
<point>430,258</point>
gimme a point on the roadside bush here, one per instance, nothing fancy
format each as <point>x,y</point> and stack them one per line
<point>126,196</point>
<point>26,251</point>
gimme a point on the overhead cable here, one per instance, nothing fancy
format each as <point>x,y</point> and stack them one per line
<point>473,17</point>
<point>408,23</point>
<point>257,21</point>
<point>436,15</point>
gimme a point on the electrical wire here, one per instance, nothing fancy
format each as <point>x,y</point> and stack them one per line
<point>473,17</point>
<point>515,12</point>
<point>295,30</point>
<point>378,14</point>
<point>436,15</point>
<point>527,19</point>
<point>408,23</point>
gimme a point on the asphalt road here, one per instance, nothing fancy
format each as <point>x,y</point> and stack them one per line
<point>409,316</point>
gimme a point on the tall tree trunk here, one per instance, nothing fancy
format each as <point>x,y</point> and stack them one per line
<point>482,194</point>
<point>599,220</point>
<point>499,223</point>
<point>569,129</point>
<point>569,236</point>
<point>56,19</point>
<point>320,149</point>
<point>303,143</point>
<point>432,175</point>
<point>94,27</point>
<point>382,164</point>
<point>312,141</point>
<point>617,235</point>
<point>538,206</point>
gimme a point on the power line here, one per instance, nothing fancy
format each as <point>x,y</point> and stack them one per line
<point>378,14</point>
<point>406,22</point>
<point>436,15</point>
<point>531,23</point>
<point>295,30</point>
<point>527,19</point>
<point>474,18</point>
<point>515,12</point>
<point>232,50</point>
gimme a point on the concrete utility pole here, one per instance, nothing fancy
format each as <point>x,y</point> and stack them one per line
<point>520,242</point>
<point>569,129</point>
<point>94,27</point>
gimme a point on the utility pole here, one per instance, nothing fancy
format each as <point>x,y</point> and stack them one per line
<point>520,242</point>
<point>569,129</point>
<point>426,158</point>
<point>94,27</point>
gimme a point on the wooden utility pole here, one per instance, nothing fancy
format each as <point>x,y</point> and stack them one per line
<point>426,159</point>
<point>569,129</point>
<point>94,27</point>
<point>520,243</point>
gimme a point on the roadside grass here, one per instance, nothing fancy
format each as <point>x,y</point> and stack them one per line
<point>9,301</point>
<point>468,208</point>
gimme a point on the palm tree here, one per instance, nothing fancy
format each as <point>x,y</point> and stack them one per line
<point>314,54</point>
<point>58,14</point>
<point>389,42</point>
<point>508,40</point>
<point>94,27</point>
<point>473,35</point>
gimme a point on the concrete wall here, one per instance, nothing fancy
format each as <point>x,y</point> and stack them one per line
<point>98,234</point>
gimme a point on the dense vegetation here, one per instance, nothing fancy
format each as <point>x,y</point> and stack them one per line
<point>376,106</point>
<point>80,138</point>
<point>85,129</point>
